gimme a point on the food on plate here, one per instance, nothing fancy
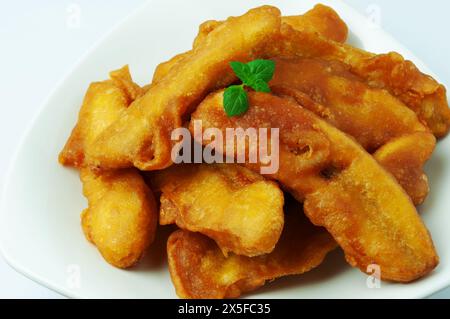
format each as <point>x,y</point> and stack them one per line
<point>372,116</point>
<point>321,19</point>
<point>121,216</point>
<point>345,131</point>
<point>141,136</point>
<point>236,207</point>
<point>200,270</point>
<point>420,92</point>
<point>404,157</point>
<point>343,188</point>
<point>103,104</point>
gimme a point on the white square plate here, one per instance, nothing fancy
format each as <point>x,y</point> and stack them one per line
<point>40,231</point>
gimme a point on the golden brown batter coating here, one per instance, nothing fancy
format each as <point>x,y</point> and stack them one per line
<point>372,116</point>
<point>200,270</point>
<point>229,203</point>
<point>343,187</point>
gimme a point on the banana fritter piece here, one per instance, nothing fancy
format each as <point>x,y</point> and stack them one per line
<point>372,116</point>
<point>231,204</point>
<point>420,92</point>
<point>103,104</point>
<point>200,270</point>
<point>141,136</point>
<point>404,158</point>
<point>343,188</point>
<point>122,215</point>
<point>321,19</point>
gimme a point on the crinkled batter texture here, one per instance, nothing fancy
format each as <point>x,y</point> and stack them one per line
<point>420,92</point>
<point>231,204</point>
<point>372,116</point>
<point>200,270</point>
<point>141,136</point>
<point>321,19</point>
<point>343,188</point>
<point>122,215</point>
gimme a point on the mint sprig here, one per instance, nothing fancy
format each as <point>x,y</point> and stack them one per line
<point>256,75</point>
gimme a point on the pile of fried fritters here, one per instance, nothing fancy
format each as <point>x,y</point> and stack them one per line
<point>356,129</point>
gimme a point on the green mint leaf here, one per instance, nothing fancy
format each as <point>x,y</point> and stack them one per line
<point>260,86</point>
<point>255,74</point>
<point>262,69</point>
<point>242,71</point>
<point>235,100</point>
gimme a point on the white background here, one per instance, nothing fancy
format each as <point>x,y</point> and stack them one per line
<point>40,43</point>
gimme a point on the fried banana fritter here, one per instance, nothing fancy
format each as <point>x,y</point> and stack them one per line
<point>343,188</point>
<point>420,92</point>
<point>122,215</point>
<point>321,19</point>
<point>200,270</point>
<point>141,136</point>
<point>102,105</point>
<point>372,116</point>
<point>231,204</point>
<point>404,157</point>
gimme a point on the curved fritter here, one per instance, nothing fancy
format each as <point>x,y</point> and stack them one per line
<point>404,157</point>
<point>231,204</point>
<point>200,270</point>
<point>420,92</point>
<point>342,186</point>
<point>321,19</point>
<point>372,116</point>
<point>122,214</point>
<point>103,104</point>
<point>141,136</point>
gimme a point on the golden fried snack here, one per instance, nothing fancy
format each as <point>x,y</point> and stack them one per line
<point>404,157</point>
<point>121,215</point>
<point>231,204</point>
<point>343,188</point>
<point>420,92</point>
<point>141,136</point>
<point>200,270</point>
<point>321,19</point>
<point>372,116</point>
<point>102,105</point>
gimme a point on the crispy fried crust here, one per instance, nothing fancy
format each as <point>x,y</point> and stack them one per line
<point>372,116</point>
<point>420,92</point>
<point>121,217</point>
<point>102,105</point>
<point>404,158</point>
<point>231,204</point>
<point>321,19</point>
<point>200,270</point>
<point>343,187</point>
<point>122,214</point>
<point>141,137</point>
